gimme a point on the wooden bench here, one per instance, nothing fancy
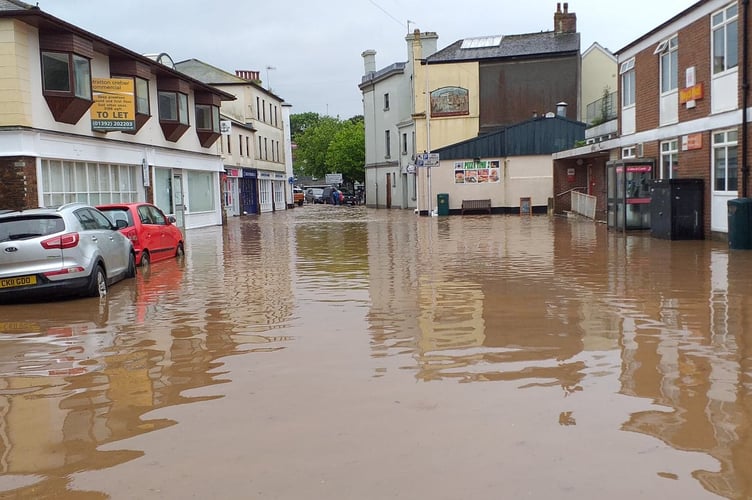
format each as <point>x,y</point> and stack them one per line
<point>476,206</point>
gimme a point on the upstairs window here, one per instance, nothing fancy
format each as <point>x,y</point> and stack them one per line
<point>627,73</point>
<point>386,102</point>
<point>142,96</point>
<point>207,117</point>
<point>669,53</point>
<point>173,107</point>
<point>725,39</point>
<point>68,74</point>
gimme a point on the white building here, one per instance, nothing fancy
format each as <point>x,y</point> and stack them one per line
<point>389,126</point>
<point>254,148</point>
<point>66,135</point>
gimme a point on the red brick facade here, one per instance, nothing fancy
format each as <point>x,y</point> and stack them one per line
<point>18,183</point>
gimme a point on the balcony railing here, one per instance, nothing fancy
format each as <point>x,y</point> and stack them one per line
<point>602,110</point>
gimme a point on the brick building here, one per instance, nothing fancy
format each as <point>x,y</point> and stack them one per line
<point>680,116</point>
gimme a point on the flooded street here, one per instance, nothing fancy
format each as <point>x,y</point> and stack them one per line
<point>350,353</point>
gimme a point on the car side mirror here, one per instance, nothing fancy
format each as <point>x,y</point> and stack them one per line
<point>121,224</point>
<point>171,219</point>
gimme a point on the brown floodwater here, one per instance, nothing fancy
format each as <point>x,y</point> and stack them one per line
<point>350,353</point>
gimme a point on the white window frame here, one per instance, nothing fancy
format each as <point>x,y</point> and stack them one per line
<point>629,152</point>
<point>627,73</point>
<point>669,56</point>
<point>720,22</point>
<point>725,141</point>
<point>669,158</point>
<point>88,182</point>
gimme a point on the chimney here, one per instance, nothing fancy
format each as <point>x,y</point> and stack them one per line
<point>369,60</point>
<point>251,76</point>
<point>561,108</point>
<point>564,21</point>
<point>421,45</point>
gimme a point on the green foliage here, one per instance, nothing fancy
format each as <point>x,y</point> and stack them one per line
<point>328,145</point>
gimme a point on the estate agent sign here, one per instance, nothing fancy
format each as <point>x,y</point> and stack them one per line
<point>114,106</point>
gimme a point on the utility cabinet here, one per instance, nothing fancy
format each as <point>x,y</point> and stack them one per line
<point>676,209</point>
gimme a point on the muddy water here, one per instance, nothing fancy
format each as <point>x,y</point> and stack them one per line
<point>335,352</point>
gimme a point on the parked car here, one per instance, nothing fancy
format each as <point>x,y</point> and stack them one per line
<point>155,236</point>
<point>350,198</point>
<point>298,196</point>
<point>65,251</point>
<point>326,196</point>
<point>313,195</point>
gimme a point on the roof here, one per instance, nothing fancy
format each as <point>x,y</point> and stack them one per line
<point>510,46</point>
<point>215,76</point>
<point>34,16</point>
<point>11,5</point>
<point>375,76</point>
<point>538,136</point>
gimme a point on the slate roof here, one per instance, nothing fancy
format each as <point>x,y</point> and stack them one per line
<point>537,136</point>
<point>211,75</point>
<point>15,5</point>
<point>512,46</point>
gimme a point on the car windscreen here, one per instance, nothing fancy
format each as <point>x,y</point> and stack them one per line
<point>29,226</point>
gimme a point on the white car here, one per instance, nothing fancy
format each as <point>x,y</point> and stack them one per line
<point>59,252</point>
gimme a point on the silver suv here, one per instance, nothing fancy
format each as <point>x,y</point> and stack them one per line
<point>69,250</point>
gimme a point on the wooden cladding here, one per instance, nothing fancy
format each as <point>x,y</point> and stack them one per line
<point>66,42</point>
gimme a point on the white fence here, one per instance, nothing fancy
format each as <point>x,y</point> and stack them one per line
<point>583,204</point>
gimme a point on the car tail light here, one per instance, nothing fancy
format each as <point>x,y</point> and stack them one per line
<point>132,235</point>
<point>68,240</point>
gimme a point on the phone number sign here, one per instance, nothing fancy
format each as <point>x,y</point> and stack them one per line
<point>114,106</point>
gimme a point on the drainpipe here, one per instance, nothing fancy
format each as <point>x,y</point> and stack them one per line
<point>745,97</point>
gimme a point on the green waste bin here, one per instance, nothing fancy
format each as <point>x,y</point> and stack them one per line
<point>442,202</point>
<point>740,223</point>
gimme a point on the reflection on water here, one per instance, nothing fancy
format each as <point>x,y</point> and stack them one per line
<point>527,304</point>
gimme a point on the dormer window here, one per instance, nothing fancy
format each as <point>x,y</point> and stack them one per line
<point>173,107</point>
<point>207,119</point>
<point>66,75</point>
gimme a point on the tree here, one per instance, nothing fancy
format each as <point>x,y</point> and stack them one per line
<point>347,153</point>
<point>328,145</point>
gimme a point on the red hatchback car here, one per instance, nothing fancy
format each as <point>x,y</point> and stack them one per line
<point>154,235</point>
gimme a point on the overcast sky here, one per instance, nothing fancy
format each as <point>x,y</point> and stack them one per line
<point>315,46</point>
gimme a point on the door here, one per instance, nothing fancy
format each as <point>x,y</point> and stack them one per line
<point>248,198</point>
<point>177,200</point>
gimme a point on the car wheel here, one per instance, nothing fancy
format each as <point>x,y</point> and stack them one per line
<point>131,272</point>
<point>145,260</point>
<point>98,283</point>
<point>180,251</point>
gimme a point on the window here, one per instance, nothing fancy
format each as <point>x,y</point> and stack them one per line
<point>263,110</point>
<point>630,152</point>
<point>240,144</point>
<point>142,96</point>
<point>725,42</point>
<point>173,107</point>
<point>669,159</point>
<point>404,144</point>
<point>258,108</point>
<point>669,64</point>
<point>66,73</point>
<point>387,145</point>
<point>207,118</point>
<point>260,148</point>
<point>386,102</point>
<point>247,146</point>
<point>92,183</point>
<point>627,83</point>
<point>200,191</point>
<point>229,144</point>
<point>266,149</point>
<point>725,161</point>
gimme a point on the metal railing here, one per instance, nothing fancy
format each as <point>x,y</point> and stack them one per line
<point>583,204</point>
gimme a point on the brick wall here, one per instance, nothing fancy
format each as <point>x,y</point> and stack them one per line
<point>18,183</point>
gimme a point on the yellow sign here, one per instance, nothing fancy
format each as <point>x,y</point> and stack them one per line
<point>692,93</point>
<point>114,105</point>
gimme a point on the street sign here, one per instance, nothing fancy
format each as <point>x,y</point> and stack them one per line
<point>333,178</point>
<point>432,160</point>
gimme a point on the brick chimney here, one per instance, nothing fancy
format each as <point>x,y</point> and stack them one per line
<point>564,21</point>
<point>252,76</point>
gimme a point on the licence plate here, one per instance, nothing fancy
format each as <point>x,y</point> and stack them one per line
<point>18,281</point>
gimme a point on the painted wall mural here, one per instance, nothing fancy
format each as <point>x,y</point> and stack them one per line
<point>450,101</point>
